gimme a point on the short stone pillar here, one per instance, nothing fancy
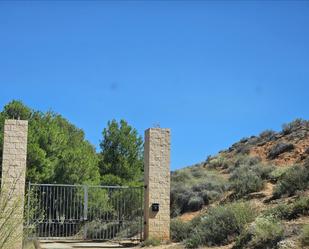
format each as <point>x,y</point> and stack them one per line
<point>157,184</point>
<point>13,180</point>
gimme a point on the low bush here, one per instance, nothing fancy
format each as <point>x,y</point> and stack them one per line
<point>263,170</point>
<point>221,224</point>
<point>243,160</point>
<point>195,203</point>
<point>304,236</point>
<point>277,173</point>
<point>265,232</point>
<point>180,197</point>
<point>245,180</point>
<point>244,149</point>
<point>281,211</point>
<point>213,195</point>
<point>206,196</point>
<point>248,175</point>
<point>194,187</point>
<point>267,135</point>
<point>151,242</point>
<point>218,162</point>
<point>194,241</point>
<point>293,126</point>
<point>294,179</point>
<point>247,160</point>
<point>290,211</point>
<point>278,149</point>
<point>180,176</point>
<point>179,230</point>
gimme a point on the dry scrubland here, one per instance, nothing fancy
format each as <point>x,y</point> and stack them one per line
<point>253,195</point>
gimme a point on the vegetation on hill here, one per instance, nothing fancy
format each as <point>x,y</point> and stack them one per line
<point>257,194</point>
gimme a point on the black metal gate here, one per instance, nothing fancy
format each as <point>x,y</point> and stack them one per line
<point>57,211</point>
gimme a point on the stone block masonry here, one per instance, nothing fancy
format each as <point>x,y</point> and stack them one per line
<point>14,177</point>
<point>157,183</point>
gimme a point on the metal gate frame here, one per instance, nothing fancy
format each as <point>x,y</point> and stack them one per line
<point>83,212</point>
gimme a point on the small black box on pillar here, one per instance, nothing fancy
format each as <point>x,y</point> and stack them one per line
<point>155,207</point>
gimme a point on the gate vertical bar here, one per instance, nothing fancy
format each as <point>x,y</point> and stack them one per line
<point>28,205</point>
<point>141,214</point>
<point>85,210</point>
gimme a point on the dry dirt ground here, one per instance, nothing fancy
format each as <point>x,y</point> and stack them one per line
<point>68,244</point>
<point>108,245</point>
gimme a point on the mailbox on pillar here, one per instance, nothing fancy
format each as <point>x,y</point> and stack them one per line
<point>155,207</point>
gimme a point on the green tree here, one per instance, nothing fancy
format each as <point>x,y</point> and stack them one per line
<point>121,155</point>
<point>57,151</point>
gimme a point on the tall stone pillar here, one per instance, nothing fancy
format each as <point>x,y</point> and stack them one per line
<point>157,184</point>
<point>13,180</point>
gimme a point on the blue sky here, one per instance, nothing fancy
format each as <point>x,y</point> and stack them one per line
<point>213,72</point>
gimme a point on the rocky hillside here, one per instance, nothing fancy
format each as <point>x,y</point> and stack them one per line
<point>268,174</point>
<point>287,147</point>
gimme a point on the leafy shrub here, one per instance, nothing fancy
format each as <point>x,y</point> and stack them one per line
<point>221,224</point>
<point>247,175</point>
<point>94,228</point>
<point>195,203</point>
<point>292,126</point>
<point>244,149</point>
<point>193,187</point>
<point>205,195</point>
<point>281,211</point>
<point>194,241</point>
<point>209,185</point>
<point>277,173</point>
<point>111,180</point>
<point>179,200</point>
<point>267,135</point>
<point>197,172</point>
<point>304,237</point>
<point>218,162</point>
<point>213,195</point>
<point>290,211</point>
<point>294,179</point>
<point>179,230</point>
<point>264,171</point>
<point>265,232</point>
<point>245,180</point>
<point>243,160</point>
<point>247,160</point>
<point>180,176</point>
<point>150,242</point>
<point>278,149</point>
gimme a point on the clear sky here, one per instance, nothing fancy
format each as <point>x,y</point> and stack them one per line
<point>212,72</point>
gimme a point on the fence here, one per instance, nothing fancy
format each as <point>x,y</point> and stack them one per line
<point>57,211</point>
